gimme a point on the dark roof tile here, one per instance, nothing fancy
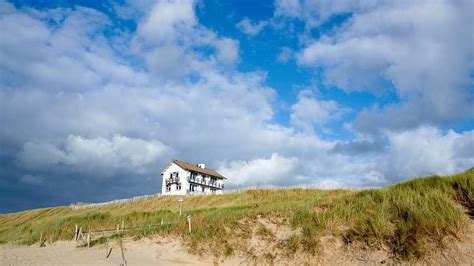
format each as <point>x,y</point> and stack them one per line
<point>195,168</point>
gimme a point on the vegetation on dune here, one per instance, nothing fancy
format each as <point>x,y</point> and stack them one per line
<point>409,218</point>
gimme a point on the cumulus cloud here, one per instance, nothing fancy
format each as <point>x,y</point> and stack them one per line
<point>276,169</point>
<point>98,155</point>
<point>227,51</point>
<point>309,112</point>
<point>172,40</point>
<point>407,51</point>
<point>167,20</point>
<point>250,28</point>
<point>427,150</point>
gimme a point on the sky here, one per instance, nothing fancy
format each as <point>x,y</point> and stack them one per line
<point>97,97</point>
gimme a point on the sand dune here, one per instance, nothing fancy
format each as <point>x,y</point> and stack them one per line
<point>169,251</point>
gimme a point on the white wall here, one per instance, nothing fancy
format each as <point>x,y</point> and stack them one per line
<point>183,177</point>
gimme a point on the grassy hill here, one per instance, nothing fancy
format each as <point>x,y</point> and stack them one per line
<point>409,218</point>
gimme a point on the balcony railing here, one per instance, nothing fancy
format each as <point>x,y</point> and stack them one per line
<point>199,192</point>
<point>206,182</point>
<point>172,180</point>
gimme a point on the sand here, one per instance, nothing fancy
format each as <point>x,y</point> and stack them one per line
<point>170,251</point>
<point>142,252</point>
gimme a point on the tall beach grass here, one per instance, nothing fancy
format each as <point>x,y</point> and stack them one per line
<point>409,218</point>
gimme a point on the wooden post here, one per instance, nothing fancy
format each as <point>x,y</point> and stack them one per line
<point>80,233</point>
<point>161,221</point>
<point>75,233</point>
<point>41,239</point>
<point>123,225</point>
<point>106,247</point>
<point>108,250</point>
<point>123,255</point>
<point>189,222</point>
<point>118,228</point>
<point>89,238</point>
<point>180,200</point>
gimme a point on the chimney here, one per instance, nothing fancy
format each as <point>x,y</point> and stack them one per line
<point>201,165</point>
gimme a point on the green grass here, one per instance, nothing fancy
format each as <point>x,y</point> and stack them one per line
<point>410,218</point>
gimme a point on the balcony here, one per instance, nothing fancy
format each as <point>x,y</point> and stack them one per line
<point>207,183</point>
<point>172,180</point>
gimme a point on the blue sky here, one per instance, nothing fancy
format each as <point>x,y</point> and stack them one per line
<point>321,93</point>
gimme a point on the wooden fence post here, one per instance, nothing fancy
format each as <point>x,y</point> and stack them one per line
<point>80,233</point>
<point>107,249</point>
<point>123,225</point>
<point>89,238</point>
<point>75,233</point>
<point>189,222</point>
<point>123,255</point>
<point>41,239</point>
<point>180,200</point>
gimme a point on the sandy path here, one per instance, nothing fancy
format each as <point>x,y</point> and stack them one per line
<point>142,252</point>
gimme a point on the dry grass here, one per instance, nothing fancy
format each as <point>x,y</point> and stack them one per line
<point>409,218</point>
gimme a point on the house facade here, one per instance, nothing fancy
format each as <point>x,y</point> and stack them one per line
<point>181,178</point>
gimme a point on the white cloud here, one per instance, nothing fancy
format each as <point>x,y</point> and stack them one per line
<point>250,28</point>
<point>98,155</point>
<point>167,20</point>
<point>315,12</point>
<point>264,171</point>
<point>227,51</point>
<point>163,62</point>
<point>289,8</point>
<point>309,112</point>
<point>407,51</point>
<point>71,56</point>
<point>427,150</point>
<point>175,45</point>
<point>285,55</point>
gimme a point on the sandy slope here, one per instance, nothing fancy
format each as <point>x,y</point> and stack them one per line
<point>168,251</point>
<point>141,252</point>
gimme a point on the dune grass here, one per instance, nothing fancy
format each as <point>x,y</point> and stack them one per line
<point>409,218</point>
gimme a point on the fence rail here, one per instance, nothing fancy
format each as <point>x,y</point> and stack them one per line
<point>79,206</point>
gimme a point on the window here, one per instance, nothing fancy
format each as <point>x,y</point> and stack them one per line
<point>178,186</point>
<point>202,188</point>
<point>191,187</point>
<point>168,188</point>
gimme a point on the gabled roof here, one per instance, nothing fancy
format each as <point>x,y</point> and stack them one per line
<point>195,168</point>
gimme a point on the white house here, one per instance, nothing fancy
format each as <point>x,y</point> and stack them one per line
<point>180,178</point>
